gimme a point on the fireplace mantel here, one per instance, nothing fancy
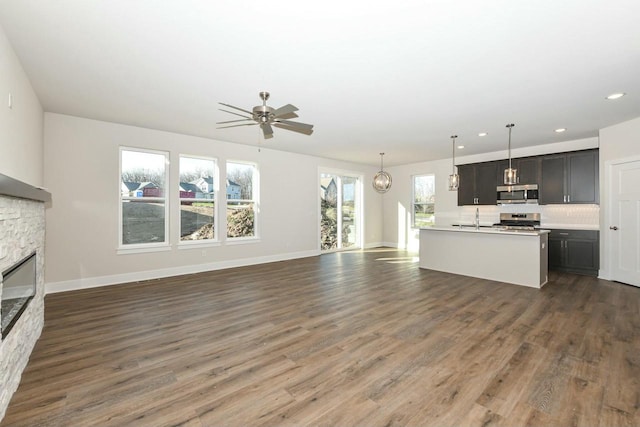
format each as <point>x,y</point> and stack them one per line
<point>14,188</point>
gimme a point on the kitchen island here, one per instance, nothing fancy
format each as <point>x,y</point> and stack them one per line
<point>511,256</point>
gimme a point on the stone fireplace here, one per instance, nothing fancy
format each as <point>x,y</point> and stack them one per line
<point>22,233</point>
<point>18,289</point>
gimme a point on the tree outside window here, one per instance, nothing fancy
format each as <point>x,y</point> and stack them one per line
<point>424,198</point>
<point>241,189</point>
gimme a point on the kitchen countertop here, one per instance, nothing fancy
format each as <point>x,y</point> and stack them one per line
<point>484,229</point>
<point>571,226</point>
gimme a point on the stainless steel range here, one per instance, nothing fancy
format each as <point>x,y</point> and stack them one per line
<point>519,221</point>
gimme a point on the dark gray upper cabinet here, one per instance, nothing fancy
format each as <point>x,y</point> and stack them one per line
<point>582,177</point>
<point>552,182</point>
<point>477,184</point>
<point>528,170</point>
<point>467,189</point>
<point>569,178</point>
<point>562,178</point>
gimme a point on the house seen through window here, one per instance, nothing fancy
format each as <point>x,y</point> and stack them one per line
<point>339,211</point>
<point>242,199</point>
<point>143,204</point>
<point>197,187</point>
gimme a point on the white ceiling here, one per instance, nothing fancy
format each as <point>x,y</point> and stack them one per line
<point>372,76</point>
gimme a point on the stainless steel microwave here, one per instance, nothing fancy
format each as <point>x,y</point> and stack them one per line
<point>520,193</point>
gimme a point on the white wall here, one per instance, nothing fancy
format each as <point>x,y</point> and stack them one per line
<point>21,125</point>
<point>397,202</point>
<point>617,143</point>
<point>81,170</point>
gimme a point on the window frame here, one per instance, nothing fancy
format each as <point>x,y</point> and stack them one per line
<point>255,193</point>
<point>184,244</point>
<point>358,207</point>
<point>124,248</point>
<point>413,198</point>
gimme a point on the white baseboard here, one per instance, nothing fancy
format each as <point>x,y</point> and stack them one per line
<point>394,245</point>
<point>94,282</point>
<point>373,245</point>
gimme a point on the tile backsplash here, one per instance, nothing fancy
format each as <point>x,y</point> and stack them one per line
<point>556,216</point>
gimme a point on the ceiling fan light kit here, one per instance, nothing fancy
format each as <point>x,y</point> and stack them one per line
<point>267,117</point>
<point>382,180</point>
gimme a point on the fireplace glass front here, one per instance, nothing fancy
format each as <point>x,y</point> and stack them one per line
<point>18,288</point>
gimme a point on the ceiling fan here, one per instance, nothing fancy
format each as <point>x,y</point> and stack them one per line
<point>267,117</point>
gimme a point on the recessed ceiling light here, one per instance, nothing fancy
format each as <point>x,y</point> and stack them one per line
<point>460,147</point>
<point>616,95</point>
<point>560,130</point>
<point>483,134</point>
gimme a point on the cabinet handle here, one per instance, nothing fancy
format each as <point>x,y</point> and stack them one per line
<point>563,234</point>
<point>564,198</point>
<point>568,198</point>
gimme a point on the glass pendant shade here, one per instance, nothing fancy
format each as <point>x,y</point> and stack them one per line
<point>382,180</point>
<point>454,182</point>
<point>510,174</point>
<point>454,178</point>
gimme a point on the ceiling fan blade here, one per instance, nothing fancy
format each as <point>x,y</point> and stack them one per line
<point>235,108</point>
<point>306,131</point>
<point>234,126</point>
<point>295,124</point>
<point>232,121</point>
<point>267,130</point>
<point>241,115</point>
<point>285,110</point>
<point>287,116</point>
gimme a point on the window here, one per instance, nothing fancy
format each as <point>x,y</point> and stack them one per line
<point>143,204</point>
<point>339,211</point>
<point>424,197</point>
<point>197,187</point>
<point>242,200</point>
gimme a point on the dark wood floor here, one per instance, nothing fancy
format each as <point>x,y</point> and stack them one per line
<point>358,338</point>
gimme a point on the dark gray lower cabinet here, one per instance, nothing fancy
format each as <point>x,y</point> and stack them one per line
<point>574,251</point>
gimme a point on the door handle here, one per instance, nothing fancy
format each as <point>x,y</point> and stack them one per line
<point>613,227</point>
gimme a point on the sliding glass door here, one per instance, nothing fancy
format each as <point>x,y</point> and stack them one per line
<point>339,212</point>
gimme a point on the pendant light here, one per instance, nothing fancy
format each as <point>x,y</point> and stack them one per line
<point>382,180</point>
<point>454,178</point>
<point>510,174</point>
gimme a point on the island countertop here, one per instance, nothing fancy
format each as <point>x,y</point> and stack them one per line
<point>484,229</point>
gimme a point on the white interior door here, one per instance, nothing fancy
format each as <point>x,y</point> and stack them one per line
<point>624,229</point>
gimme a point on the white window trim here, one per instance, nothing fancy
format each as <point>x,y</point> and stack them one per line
<point>123,249</point>
<point>198,244</point>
